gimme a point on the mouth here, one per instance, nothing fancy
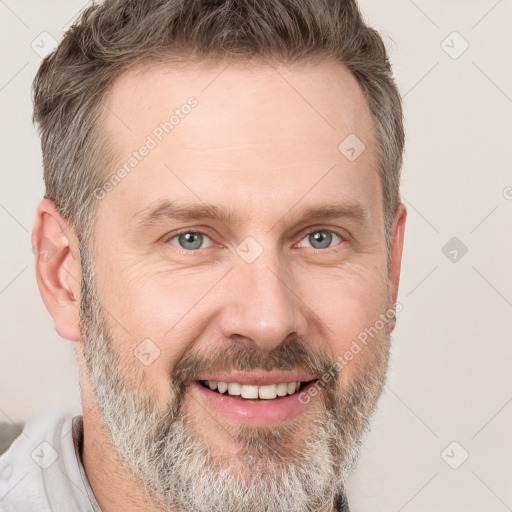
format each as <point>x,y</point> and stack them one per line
<point>255,401</point>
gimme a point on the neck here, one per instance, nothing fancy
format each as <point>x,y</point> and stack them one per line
<point>113,485</point>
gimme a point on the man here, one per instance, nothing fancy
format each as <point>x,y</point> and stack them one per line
<point>221,239</point>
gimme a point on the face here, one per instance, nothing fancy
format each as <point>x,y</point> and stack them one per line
<point>236,261</point>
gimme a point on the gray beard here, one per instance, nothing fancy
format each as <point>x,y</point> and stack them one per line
<point>270,474</point>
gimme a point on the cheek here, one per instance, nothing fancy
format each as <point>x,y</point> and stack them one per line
<point>348,304</point>
<point>164,306</point>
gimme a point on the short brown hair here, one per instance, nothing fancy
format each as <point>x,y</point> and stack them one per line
<point>112,37</point>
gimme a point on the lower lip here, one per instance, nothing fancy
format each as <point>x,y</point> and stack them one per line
<point>253,412</point>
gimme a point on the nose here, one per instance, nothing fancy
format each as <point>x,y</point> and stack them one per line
<point>264,307</point>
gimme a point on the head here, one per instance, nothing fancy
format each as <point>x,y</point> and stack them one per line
<point>222,203</point>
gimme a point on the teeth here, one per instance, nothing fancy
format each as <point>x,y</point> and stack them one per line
<point>234,389</point>
<point>282,389</point>
<point>268,392</point>
<point>249,391</point>
<point>291,388</point>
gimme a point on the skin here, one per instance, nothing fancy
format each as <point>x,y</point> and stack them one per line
<point>263,140</point>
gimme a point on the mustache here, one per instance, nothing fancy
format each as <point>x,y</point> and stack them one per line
<point>293,354</point>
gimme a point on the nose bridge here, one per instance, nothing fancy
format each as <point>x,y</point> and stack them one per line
<point>264,309</point>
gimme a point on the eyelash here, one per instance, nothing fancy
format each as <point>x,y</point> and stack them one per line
<point>302,235</point>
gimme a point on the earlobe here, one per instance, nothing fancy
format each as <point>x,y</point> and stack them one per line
<point>395,261</point>
<point>58,270</point>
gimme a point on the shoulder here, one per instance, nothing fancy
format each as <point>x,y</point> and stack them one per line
<point>34,468</point>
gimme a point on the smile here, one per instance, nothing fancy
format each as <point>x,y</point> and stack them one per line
<point>247,391</point>
<point>254,398</point>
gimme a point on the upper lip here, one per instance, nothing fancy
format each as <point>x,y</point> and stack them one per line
<point>258,378</point>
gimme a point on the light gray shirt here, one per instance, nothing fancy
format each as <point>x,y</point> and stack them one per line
<point>42,470</point>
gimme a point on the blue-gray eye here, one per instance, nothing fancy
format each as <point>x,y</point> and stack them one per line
<point>193,240</point>
<point>321,239</point>
<point>190,240</point>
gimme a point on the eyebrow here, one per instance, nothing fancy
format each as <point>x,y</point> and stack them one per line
<point>169,210</point>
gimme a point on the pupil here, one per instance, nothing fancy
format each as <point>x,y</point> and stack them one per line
<point>192,239</point>
<point>323,237</point>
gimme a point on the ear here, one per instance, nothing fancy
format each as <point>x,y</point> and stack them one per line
<point>58,268</point>
<point>395,256</point>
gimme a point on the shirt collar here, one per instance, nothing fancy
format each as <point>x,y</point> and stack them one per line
<point>78,441</point>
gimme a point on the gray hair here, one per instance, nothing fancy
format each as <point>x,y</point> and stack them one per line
<point>109,38</point>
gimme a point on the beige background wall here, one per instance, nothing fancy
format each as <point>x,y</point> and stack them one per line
<point>449,392</point>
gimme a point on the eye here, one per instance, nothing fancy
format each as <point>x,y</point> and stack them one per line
<point>321,238</point>
<point>194,240</point>
<point>189,240</point>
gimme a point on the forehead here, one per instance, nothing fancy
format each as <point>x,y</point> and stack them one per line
<point>264,133</point>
